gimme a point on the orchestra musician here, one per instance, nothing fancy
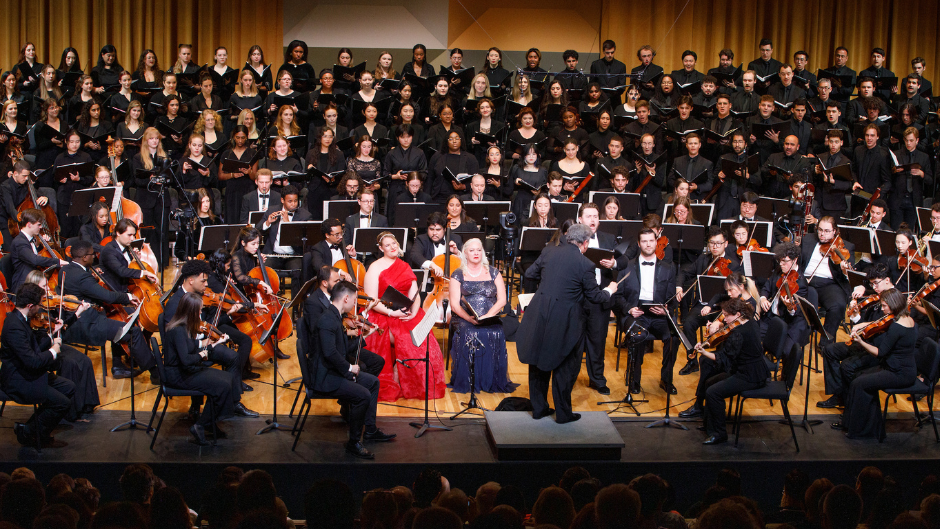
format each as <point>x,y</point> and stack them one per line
<point>652,284</point>
<point>328,251</point>
<point>908,268</point>
<point>221,263</point>
<point>825,274</point>
<point>924,327</point>
<point>284,257</point>
<point>25,249</point>
<point>13,192</point>
<point>777,296</point>
<point>844,362</point>
<point>429,245</point>
<point>366,217</point>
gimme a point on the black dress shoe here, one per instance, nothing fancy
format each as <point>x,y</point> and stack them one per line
<point>199,435</point>
<point>690,367</point>
<point>356,449</point>
<point>154,377</point>
<point>20,430</point>
<point>669,388</point>
<point>832,402</point>
<point>118,372</point>
<point>548,412</point>
<point>603,390</point>
<point>250,375</point>
<point>242,411</point>
<point>692,412</point>
<point>193,413</point>
<point>378,436</point>
<point>280,355</point>
<point>246,387</point>
<point>838,426</point>
<point>574,417</point>
<point>715,440</point>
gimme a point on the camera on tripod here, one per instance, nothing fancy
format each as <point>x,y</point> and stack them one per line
<point>182,215</point>
<point>507,224</point>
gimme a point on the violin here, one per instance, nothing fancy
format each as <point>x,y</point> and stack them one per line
<point>210,331</point>
<point>853,311</point>
<point>353,321</point>
<point>213,299</point>
<point>661,242</point>
<point>836,251</point>
<point>789,284</point>
<point>751,246</point>
<point>716,338</point>
<point>873,328</point>
<point>69,303</point>
<point>921,294</point>
<point>719,267</point>
<point>913,261</point>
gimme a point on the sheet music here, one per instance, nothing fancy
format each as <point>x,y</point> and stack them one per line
<point>127,326</point>
<point>746,262</point>
<point>422,329</point>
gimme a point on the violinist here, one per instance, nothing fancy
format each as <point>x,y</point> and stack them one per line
<point>194,278</point>
<point>718,260</point>
<point>13,192</point>
<point>736,366</point>
<point>27,359</point>
<point>909,267</point>
<point>823,265</point>
<point>284,257</point>
<point>25,248</point>
<point>221,263</point>
<point>844,362</point>
<point>932,235</point>
<point>893,351</point>
<point>777,295</point>
<point>650,281</point>
<point>79,282</point>
<point>631,249</point>
<point>597,315</point>
<point>924,328</point>
<point>742,239</point>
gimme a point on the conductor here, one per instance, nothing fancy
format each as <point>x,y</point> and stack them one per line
<point>551,336</point>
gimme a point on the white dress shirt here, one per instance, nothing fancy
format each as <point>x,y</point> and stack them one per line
<point>822,270</point>
<point>647,278</point>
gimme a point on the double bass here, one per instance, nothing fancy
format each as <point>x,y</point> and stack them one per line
<point>50,223</point>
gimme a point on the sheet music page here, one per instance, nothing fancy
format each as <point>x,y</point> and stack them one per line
<point>421,331</point>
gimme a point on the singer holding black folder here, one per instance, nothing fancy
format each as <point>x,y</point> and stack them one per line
<point>70,181</point>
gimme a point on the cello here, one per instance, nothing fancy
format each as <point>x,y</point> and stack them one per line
<point>149,294</point>
<point>270,301</point>
<point>122,208</point>
<point>252,322</point>
<point>355,269</point>
<point>50,223</point>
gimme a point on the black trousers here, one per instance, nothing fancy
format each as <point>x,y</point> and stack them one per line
<point>56,400</point>
<point>692,322</point>
<point>222,387</point>
<point>796,329</point>
<point>658,329</point>
<point>562,379</point>
<point>708,368</point>
<point>596,326</point>
<point>231,363</point>
<point>718,388</point>
<point>842,364</point>
<point>369,362</point>
<point>294,264</point>
<point>862,415</point>
<point>832,298</point>
<point>242,344</point>
<point>362,395</point>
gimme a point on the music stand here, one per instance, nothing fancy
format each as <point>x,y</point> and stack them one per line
<point>812,319</point>
<point>302,233</point>
<point>83,199</point>
<point>564,211</point>
<point>414,214</point>
<point>923,220</point>
<point>484,211</point>
<point>886,245</point>
<point>629,202</point>
<point>698,212</point>
<point>676,333</point>
<point>339,209</point>
<point>862,238</point>
<point>623,230</point>
<point>633,335</point>
<point>761,231</point>
<point>272,423</point>
<point>214,237</point>
<point>709,287</point>
<point>688,234</point>
<point>364,238</point>
<point>773,208</point>
<point>758,264</point>
<point>536,240</point>
<point>421,333</point>
<point>254,217</point>
<point>131,424</point>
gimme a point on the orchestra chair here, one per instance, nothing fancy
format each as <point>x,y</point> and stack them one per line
<point>4,398</point>
<point>166,392</point>
<point>928,366</point>
<point>773,344</point>
<point>309,394</point>
<point>774,390</point>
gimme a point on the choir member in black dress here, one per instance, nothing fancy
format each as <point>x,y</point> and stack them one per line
<point>148,76</point>
<point>664,99</point>
<point>210,126</point>
<point>84,93</point>
<point>9,91</point>
<point>499,77</point>
<point>399,163</point>
<point>439,99</point>
<point>907,185</point>
<point>418,64</point>
<point>148,165</point>
<point>457,218</point>
<point>116,105</point>
<point>173,143</point>
<point>486,124</point>
<point>186,349</point>
<point>247,96</point>
<point>593,102</point>
<point>48,90</point>
<point>688,75</point>
<point>92,124</point>
<point>73,154</point>
<point>295,62</point>
<point>555,97</point>
<point>369,126</point>
<point>365,163</point>
<point>27,69</point>
<point>284,83</point>
<point>108,70</point>
<point>286,125</point>
<point>236,184</point>
<point>530,178</point>
<point>570,130</point>
<point>571,167</point>
<point>897,369</point>
<point>526,134</point>
<point>414,182</point>
<point>224,77</point>
<point>599,140</point>
<point>206,99</point>
<point>326,157</point>
<point>260,71</point>
<point>13,137</point>
<point>50,136</point>
<point>193,176</point>
<point>158,101</point>
<point>738,365</point>
<point>280,161</point>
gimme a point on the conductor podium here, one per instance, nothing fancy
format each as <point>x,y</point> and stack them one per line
<point>516,436</point>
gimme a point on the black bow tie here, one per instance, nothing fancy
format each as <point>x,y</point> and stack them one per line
<point>649,263</point>
<point>265,196</point>
<point>334,247</point>
<point>361,216</point>
<point>748,219</point>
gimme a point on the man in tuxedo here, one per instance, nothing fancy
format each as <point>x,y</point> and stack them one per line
<point>828,279</point>
<point>648,281</point>
<point>330,372</point>
<point>841,58</point>
<point>597,315</point>
<point>646,74</point>
<point>260,199</point>
<point>477,187</point>
<point>194,277</point>
<point>366,218</point>
<point>765,65</point>
<point>287,257</point>
<point>327,251</point>
<point>25,248</point>
<point>429,245</point>
<point>27,362</point>
<point>609,72</point>
<point>830,195</point>
<point>550,337</point>
<point>116,256</point>
<point>13,191</point>
<point>906,186</point>
<point>95,327</point>
<point>697,170</point>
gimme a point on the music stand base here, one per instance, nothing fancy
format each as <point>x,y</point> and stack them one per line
<point>131,425</point>
<point>425,426</point>
<point>272,424</point>
<point>627,402</point>
<point>473,404</point>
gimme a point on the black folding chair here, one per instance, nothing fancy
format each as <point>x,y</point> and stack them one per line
<point>309,395</point>
<point>928,366</point>
<point>167,392</point>
<point>774,390</point>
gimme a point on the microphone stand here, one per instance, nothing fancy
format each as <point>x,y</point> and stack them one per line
<point>472,403</point>
<point>192,242</point>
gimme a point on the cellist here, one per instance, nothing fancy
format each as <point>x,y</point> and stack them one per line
<point>827,278</point>
<point>844,362</point>
<point>328,251</point>
<point>13,191</point>
<point>194,277</point>
<point>115,257</point>
<point>26,249</point>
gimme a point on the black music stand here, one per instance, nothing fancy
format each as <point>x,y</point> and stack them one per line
<point>862,238</point>
<point>484,211</point>
<point>676,333</point>
<point>303,233</point>
<point>625,231</point>
<point>816,324</point>
<point>709,287</point>
<point>414,215</point>
<point>340,209</point>
<point>272,423</point>
<point>83,199</point>
<point>563,211</point>
<point>885,241</point>
<point>689,235</point>
<point>131,424</point>
<point>758,264</point>
<point>535,239</point>
<point>214,237</point>
<point>629,202</point>
<point>923,220</point>
<point>773,208</point>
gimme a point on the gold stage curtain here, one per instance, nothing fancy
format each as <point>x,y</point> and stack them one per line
<point>904,28</point>
<point>135,25</point>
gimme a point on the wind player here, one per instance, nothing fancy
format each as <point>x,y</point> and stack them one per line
<point>824,275</point>
<point>844,362</point>
<point>697,314</point>
<point>284,257</point>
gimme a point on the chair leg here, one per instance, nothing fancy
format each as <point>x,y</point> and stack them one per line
<point>299,431</point>
<point>156,404</point>
<point>303,406</point>
<point>38,438</point>
<point>215,430</point>
<point>296,398</point>
<point>786,413</point>
<point>104,365</point>
<point>916,410</point>
<point>933,420</point>
<point>884,419</point>
<point>156,432</point>
<point>2,406</point>
<point>737,420</point>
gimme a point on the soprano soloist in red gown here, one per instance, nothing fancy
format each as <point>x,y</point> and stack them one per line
<point>398,381</point>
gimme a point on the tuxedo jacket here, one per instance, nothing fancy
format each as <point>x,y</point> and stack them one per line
<point>300,215</point>
<point>251,202</point>
<point>114,267</point>
<point>423,249</point>
<point>80,283</point>
<point>25,260</point>
<point>25,359</point>
<point>352,222</point>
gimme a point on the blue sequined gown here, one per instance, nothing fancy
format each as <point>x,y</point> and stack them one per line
<point>490,357</point>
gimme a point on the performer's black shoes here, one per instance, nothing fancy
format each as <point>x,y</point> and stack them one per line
<point>548,412</point>
<point>715,440</point>
<point>603,390</point>
<point>690,367</point>
<point>832,402</point>
<point>574,417</point>
<point>281,356</point>
<point>242,411</point>
<point>378,436</point>
<point>667,387</point>
<point>199,435</point>
<point>693,411</point>
<point>355,448</point>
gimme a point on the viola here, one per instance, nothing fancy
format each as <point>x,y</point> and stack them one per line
<point>853,311</point>
<point>719,267</point>
<point>921,294</point>
<point>69,303</point>
<point>353,321</point>
<point>661,242</point>
<point>751,246</point>
<point>911,259</point>
<point>789,284</point>
<point>716,338</point>
<point>873,328</point>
